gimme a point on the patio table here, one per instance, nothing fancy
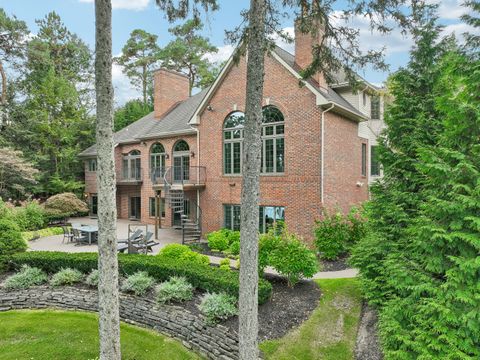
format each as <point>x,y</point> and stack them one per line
<point>89,229</point>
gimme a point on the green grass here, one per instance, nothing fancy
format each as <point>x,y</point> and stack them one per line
<point>47,334</point>
<point>329,333</point>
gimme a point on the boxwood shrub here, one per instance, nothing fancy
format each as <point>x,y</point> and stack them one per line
<point>204,277</point>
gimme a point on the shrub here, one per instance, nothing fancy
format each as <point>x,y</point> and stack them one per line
<point>31,235</point>
<point>183,252</point>
<point>234,248</point>
<point>293,259</point>
<point>266,244</point>
<point>66,276</point>
<point>218,240</point>
<point>332,236</point>
<point>204,277</point>
<point>175,289</point>
<point>66,203</point>
<point>29,217</point>
<point>225,264</point>
<point>92,278</point>
<point>11,240</point>
<point>138,283</point>
<point>25,278</point>
<point>217,307</point>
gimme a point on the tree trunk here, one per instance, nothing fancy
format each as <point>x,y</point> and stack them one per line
<point>144,85</point>
<point>3,100</point>
<point>248,301</point>
<point>108,302</point>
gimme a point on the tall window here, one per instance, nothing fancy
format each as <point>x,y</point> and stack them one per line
<point>92,165</point>
<point>157,159</point>
<point>273,140</point>
<point>231,217</point>
<point>375,107</point>
<point>152,207</point>
<point>364,98</point>
<point>374,162</point>
<point>364,159</point>
<point>268,217</point>
<point>131,165</point>
<point>233,143</point>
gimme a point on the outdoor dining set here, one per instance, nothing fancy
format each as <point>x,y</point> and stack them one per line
<point>138,241</point>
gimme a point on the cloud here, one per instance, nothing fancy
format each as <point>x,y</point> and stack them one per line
<point>136,5</point>
<point>221,55</point>
<point>123,89</point>
<point>287,46</point>
<point>449,9</point>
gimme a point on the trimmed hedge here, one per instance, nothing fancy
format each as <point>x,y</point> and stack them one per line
<point>204,277</point>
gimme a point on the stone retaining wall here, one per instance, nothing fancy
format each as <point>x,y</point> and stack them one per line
<point>214,342</point>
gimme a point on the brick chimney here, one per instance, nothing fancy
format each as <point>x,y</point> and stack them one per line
<point>303,50</point>
<point>170,88</point>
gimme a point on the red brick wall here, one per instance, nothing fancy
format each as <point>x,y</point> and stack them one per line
<point>169,88</point>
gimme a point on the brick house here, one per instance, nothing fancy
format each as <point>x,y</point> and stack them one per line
<point>181,164</point>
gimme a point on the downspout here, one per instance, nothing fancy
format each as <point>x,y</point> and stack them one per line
<point>322,155</point>
<point>195,128</point>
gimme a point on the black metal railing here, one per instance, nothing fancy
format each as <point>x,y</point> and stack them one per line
<point>185,175</point>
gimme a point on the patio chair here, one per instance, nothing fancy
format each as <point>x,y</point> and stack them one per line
<point>78,238</point>
<point>67,234</point>
<point>146,243</point>
<point>134,237</point>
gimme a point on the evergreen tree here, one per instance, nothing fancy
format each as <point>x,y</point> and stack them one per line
<point>139,55</point>
<point>187,54</point>
<point>130,112</point>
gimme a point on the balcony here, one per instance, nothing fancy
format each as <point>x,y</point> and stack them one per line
<point>190,177</point>
<point>130,176</point>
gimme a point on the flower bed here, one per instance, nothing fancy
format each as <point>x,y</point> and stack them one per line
<point>203,277</point>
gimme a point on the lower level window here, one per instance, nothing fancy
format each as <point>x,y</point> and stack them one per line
<point>268,217</point>
<point>152,207</point>
<point>231,217</point>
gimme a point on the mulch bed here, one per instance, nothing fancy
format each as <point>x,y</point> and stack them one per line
<point>287,309</point>
<point>334,265</point>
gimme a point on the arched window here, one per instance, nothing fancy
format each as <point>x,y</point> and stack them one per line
<point>232,143</point>
<point>132,165</point>
<point>181,146</point>
<point>273,140</point>
<point>157,159</point>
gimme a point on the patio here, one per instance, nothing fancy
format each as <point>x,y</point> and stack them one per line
<point>55,243</point>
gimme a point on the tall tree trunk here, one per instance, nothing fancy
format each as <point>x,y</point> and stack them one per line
<point>108,302</point>
<point>248,301</point>
<point>144,85</point>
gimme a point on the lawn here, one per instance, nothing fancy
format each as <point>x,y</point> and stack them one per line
<point>329,333</point>
<point>46,335</point>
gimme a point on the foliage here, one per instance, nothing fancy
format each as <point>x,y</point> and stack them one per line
<point>66,203</point>
<point>267,243</point>
<point>176,289</point>
<point>130,112</point>
<point>50,120</point>
<point>139,55</point>
<point>25,278</point>
<point>218,240</point>
<point>11,240</point>
<point>183,252</point>
<point>29,217</point>
<point>421,263</point>
<point>138,283</point>
<point>92,278</point>
<point>225,264</point>
<point>55,334</point>
<point>304,343</point>
<point>67,276</point>
<point>234,248</point>
<point>217,307</point>
<point>293,259</point>
<point>16,173</point>
<point>203,277</point>
<point>335,234</point>
<point>50,231</point>
<point>187,54</point>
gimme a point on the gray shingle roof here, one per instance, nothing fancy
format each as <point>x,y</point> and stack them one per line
<point>330,95</point>
<point>175,121</point>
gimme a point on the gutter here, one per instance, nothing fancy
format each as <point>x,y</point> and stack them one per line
<point>322,168</point>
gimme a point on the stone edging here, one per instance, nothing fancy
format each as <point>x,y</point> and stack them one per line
<point>214,342</point>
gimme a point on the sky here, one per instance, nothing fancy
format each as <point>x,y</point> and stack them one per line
<point>78,16</point>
